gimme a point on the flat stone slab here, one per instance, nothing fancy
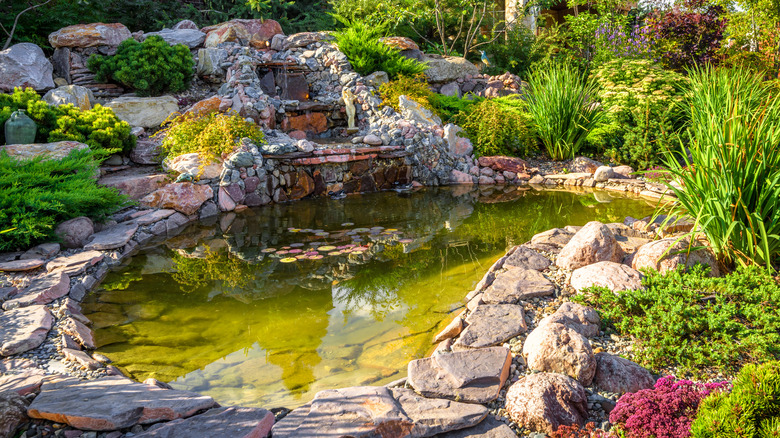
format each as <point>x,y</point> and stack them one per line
<point>515,284</point>
<point>432,416</point>
<point>113,403</point>
<point>360,411</point>
<point>472,376</point>
<point>525,257</point>
<point>21,265</point>
<point>22,383</point>
<point>487,428</point>
<point>492,324</point>
<point>23,329</point>
<point>112,238</point>
<point>233,422</point>
<point>157,215</point>
<point>41,291</point>
<point>75,264</point>
<point>556,237</point>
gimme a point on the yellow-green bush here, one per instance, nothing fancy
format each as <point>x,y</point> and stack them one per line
<point>414,87</point>
<point>212,135</point>
<point>499,127</point>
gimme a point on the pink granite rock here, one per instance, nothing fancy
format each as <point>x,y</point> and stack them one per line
<point>614,276</point>
<point>666,255</point>
<point>618,375</point>
<point>557,348</point>
<point>593,243</point>
<point>184,197</point>
<point>23,329</point>
<point>75,232</point>
<point>582,319</point>
<point>545,401</point>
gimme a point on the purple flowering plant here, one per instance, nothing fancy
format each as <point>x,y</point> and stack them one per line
<point>612,41</point>
<point>666,411</point>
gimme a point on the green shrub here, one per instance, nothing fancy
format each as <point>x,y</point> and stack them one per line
<point>516,53</point>
<point>499,127</point>
<point>98,127</point>
<point>36,195</point>
<point>414,87</point>
<point>559,101</point>
<point>213,135</point>
<point>448,107</point>
<point>696,322</point>
<point>150,68</point>
<point>728,174</point>
<point>360,42</point>
<point>643,105</point>
<point>751,410</point>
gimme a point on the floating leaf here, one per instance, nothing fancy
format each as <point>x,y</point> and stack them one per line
<point>296,245</point>
<point>281,252</point>
<point>347,224</point>
<point>327,248</point>
<point>295,251</point>
<point>288,260</point>
<point>267,250</point>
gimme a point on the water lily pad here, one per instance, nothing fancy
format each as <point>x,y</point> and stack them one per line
<point>295,251</point>
<point>314,257</point>
<point>347,224</point>
<point>377,228</point>
<point>301,256</point>
<point>360,248</point>
<point>267,250</point>
<point>391,229</point>
<point>312,253</point>
<point>361,230</point>
<point>286,247</point>
<point>327,248</point>
<point>294,230</point>
<point>288,260</point>
<point>296,245</point>
<point>322,234</point>
<point>280,252</point>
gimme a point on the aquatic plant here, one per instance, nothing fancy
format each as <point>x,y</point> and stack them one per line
<point>560,103</point>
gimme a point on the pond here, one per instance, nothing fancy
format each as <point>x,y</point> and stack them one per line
<point>268,307</point>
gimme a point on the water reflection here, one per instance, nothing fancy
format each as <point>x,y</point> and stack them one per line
<point>215,310</point>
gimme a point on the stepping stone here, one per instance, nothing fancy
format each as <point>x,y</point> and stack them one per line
<point>525,257</point>
<point>7,292</point>
<point>488,428</point>
<point>360,411</point>
<point>557,237</point>
<point>113,403</point>
<point>112,238</point>
<point>75,264</point>
<point>433,416</point>
<point>492,324</point>
<point>515,284</point>
<point>23,329</point>
<point>154,216</point>
<point>22,383</point>
<point>41,291</point>
<point>234,422</point>
<point>21,265</point>
<point>81,358</point>
<point>80,332</point>
<point>472,376</point>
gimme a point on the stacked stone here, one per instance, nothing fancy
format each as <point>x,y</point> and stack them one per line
<point>482,85</point>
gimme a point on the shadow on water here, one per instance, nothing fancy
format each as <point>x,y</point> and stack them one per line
<point>269,306</point>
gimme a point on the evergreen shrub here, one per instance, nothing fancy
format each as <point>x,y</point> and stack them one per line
<point>501,126</point>
<point>214,135</point>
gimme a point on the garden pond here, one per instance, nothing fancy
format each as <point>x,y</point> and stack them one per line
<point>271,305</point>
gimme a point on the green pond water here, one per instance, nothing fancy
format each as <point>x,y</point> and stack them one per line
<point>218,310</point>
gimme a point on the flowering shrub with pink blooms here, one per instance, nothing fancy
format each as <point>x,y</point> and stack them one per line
<point>666,411</point>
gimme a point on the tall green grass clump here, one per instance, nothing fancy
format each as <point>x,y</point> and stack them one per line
<point>37,194</point>
<point>728,177</point>
<point>360,42</point>
<point>560,102</point>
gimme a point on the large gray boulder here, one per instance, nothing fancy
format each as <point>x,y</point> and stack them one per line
<point>147,112</point>
<point>448,68</point>
<point>25,65</point>
<point>191,38</point>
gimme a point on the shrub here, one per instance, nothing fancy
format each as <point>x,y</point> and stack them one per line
<point>666,411</point>
<point>360,42</point>
<point>728,176</point>
<point>97,127</point>
<point>213,135</point>
<point>150,68</point>
<point>559,102</point>
<point>414,87</point>
<point>516,53</point>
<point>751,410</point>
<point>500,126</point>
<point>36,195</point>
<point>448,107</point>
<point>643,105</point>
<point>574,431</point>
<point>696,322</point>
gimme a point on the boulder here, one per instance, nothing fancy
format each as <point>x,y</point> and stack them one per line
<point>614,276</point>
<point>23,329</point>
<point>603,173</point>
<point>372,140</point>
<point>147,112</point>
<point>400,43</point>
<point>191,38</point>
<point>557,348</point>
<point>667,254</point>
<point>135,182</point>
<point>210,61</point>
<point>90,35</point>
<point>556,237</point>
<point>377,78</point>
<point>617,375</point>
<point>500,163</point>
<point>584,165</point>
<point>472,376</point>
<point>515,284</point>
<point>545,401</point>
<point>624,172</point>
<point>52,151</point>
<point>582,319</point>
<point>432,416</point>
<point>234,422</point>
<point>591,244</point>
<point>184,197</point>
<point>451,89</point>
<point>25,65</point>
<point>207,106</point>
<point>13,413</point>
<point>526,258</point>
<point>492,324</point>
<point>42,290</point>
<point>252,32</point>
<point>78,96</point>
<point>443,69</point>
<point>303,39</point>
<point>112,403</point>
<point>146,152</point>
<point>415,112</point>
<point>193,164</point>
<point>458,177</point>
<point>185,24</point>
<point>75,232</point>
<point>490,427</point>
<point>113,237</point>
